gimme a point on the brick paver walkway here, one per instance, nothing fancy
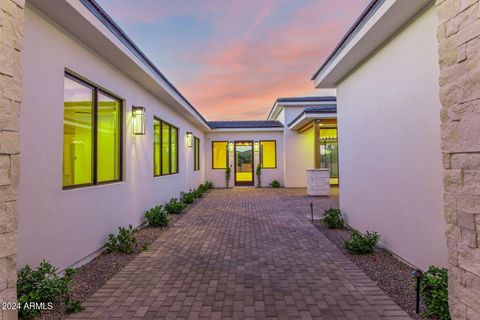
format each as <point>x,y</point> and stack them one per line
<point>243,254</point>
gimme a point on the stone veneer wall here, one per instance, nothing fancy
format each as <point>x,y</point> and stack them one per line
<point>11,35</point>
<point>459,48</point>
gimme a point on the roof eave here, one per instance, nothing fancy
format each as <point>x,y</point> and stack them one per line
<point>87,22</point>
<point>259,129</point>
<point>378,23</point>
<point>304,117</point>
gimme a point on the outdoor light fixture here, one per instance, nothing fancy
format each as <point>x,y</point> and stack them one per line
<point>189,139</point>
<point>230,146</point>
<point>139,119</point>
<point>256,146</point>
<point>418,275</point>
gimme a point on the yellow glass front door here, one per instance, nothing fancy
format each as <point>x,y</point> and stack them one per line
<point>244,163</point>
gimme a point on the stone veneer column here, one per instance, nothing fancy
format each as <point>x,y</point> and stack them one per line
<point>11,35</point>
<point>459,49</point>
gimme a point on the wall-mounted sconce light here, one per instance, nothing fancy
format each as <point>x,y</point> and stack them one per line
<point>189,139</point>
<point>230,146</point>
<point>139,119</point>
<point>256,146</point>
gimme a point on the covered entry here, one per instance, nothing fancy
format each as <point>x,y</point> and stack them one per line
<point>244,163</point>
<point>319,127</point>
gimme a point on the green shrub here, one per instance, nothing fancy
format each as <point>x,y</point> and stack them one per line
<point>187,197</point>
<point>259,174</point>
<point>360,243</point>
<point>123,242</point>
<point>434,291</point>
<point>197,193</point>
<point>157,217</point>
<point>275,184</point>
<point>174,206</point>
<point>202,188</point>
<point>44,285</point>
<point>228,171</point>
<point>333,218</point>
<point>209,185</point>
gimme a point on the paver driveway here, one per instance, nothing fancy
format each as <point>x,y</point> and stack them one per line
<point>243,254</point>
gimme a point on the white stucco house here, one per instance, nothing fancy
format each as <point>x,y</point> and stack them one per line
<point>97,135</point>
<point>386,73</point>
<point>107,136</point>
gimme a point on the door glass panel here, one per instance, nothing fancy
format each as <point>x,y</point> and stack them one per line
<point>329,152</point>
<point>244,162</point>
<point>77,134</point>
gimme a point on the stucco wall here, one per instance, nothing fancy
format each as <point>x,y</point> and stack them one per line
<point>217,176</point>
<point>66,226</point>
<point>389,145</point>
<point>299,149</point>
<point>459,47</point>
<point>11,30</point>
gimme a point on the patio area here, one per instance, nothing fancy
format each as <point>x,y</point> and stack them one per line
<point>243,254</point>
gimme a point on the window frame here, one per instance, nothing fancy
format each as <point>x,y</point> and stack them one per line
<point>227,163</point>
<point>196,149</point>
<point>261,153</point>
<point>95,90</point>
<point>170,149</point>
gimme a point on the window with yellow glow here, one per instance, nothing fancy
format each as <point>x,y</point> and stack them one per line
<point>156,147</point>
<point>165,148</point>
<point>89,113</point>
<point>196,154</point>
<point>108,138</point>
<point>173,150</point>
<point>219,154</point>
<point>268,154</point>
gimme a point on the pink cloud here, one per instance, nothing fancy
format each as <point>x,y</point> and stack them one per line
<point>242,77</point>
<point>256,52</point>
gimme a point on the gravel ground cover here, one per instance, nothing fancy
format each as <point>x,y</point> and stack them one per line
<point>392,276</point>
<point>91,276</point>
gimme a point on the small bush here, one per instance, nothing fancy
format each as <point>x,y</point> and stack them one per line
<point>209,185</point>
<point>175,206</point>
<point>259,175</point>
<point>434,291</point>
<point>197,193</point>
<point>275,184</point>
<point>228,171</point>
<point>187,197</point>
<point>44,285</point>
<point>333,218</point>
<point>157,217</point>
<point>123,242</point>
<point>360,243</point>
<point>202,188</point>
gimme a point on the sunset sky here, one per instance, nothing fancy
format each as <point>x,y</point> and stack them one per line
<point>232,59</point>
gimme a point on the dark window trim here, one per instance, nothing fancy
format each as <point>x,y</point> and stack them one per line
<point>261,153</point>
<point>227,155</point>
<point>170,149</point>
<point>95,90</point>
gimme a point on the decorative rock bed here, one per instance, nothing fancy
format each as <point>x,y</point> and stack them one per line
<point>93,275</point>
<point>392,276</point>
